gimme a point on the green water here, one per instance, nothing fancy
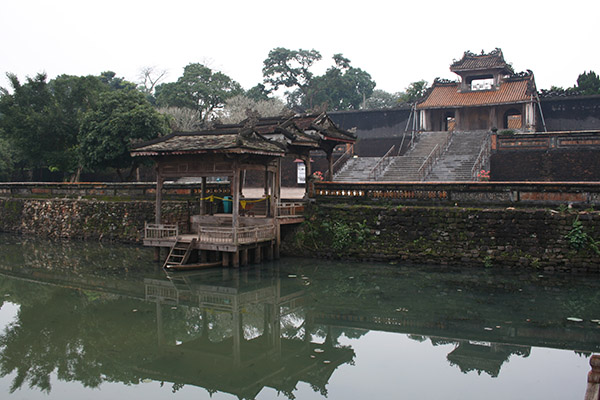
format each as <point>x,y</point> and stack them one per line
<point>96,321</point>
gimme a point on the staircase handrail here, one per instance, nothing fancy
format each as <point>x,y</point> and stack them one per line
<point>482,158</point>
<point>381,164</point>
<point>433,156</point>
<point>341,161</point>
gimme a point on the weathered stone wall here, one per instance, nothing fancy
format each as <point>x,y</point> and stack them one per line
<point>86,219</point>
<point>546,157</point>
<point>537,238</point>
<point>376,130</point>
<point>571,113</point>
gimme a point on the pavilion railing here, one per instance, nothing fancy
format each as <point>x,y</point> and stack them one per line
<point>290,209</point>
<point>226,235</point>
<point>160,231</point>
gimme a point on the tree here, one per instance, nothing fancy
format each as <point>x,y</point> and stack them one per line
<point>258,92</point>
<point>290,69</point>
<point>200,89</point>
<point>342,87</point>
<point>6,160</point>
<point>148,79</point>
<point>40,120</point>
<point>382,99</point>
<point>238,107</point>
<point>588,83</point>
<point>110,79</point>
<point>415,91</point>
<point>182,119</point>
<point>122,117</point>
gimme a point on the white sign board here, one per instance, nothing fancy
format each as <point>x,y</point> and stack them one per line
<point>301,172</point>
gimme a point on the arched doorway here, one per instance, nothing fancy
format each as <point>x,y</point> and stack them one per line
<point>513,119</point>
<point>449,121</point>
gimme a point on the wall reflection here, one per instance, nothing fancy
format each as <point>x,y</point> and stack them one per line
<point>239,331</point>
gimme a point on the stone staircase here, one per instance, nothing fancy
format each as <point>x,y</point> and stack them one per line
<point>406,168</point>
<point>457,162</point>
<point>356,169</point>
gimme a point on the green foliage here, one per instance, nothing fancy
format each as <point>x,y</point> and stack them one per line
<point>415,91</point>
<point>381,99</point>
<point>488,261</point>
<point>579,239</point>
<point>258,93</point>
<point>338,235</point>
<point>342,87</point>
<point>41,119</point>
<point>122,117</point>
<point>6,160</point>
<point>588,83</point>
<point>200,89</point>
<point>289,68</point>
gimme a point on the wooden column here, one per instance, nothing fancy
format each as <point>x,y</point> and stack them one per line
<point>157,208</point>
<point>307,180</point>
<point>203,196</point>
<point>225,258</point>
<point>257,257</point>
<point>235,209</point>
<point>330,162</point>
<point>244,257</point>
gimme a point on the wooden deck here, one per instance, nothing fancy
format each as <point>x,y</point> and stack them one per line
<point>216,233</point>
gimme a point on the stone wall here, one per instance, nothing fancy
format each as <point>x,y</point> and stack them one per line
<point>121,221</point>
<point>549,240</point>
<point>376,130</point>
<point>546,157</point>
<point>571,113</point>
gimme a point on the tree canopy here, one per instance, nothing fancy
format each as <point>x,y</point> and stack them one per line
<point>341,87</point>
<point>41,122</point>
<point>200,89</point>
<point>122,118</point>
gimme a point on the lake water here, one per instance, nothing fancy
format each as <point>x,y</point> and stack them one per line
<point>96,321</point>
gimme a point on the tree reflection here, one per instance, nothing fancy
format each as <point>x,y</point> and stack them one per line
<point>241,331</point>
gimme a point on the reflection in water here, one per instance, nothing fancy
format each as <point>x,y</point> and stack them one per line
<point>94,314</point>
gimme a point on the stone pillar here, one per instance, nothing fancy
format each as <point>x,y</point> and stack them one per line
<point>593,387</point>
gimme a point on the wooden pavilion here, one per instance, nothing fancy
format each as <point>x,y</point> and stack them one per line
<point>226,152</point>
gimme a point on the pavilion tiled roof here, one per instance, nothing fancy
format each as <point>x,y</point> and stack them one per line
<point>257,136</point>
<point>475,62</point>
<point>448,95</point>
<point>212,141</point>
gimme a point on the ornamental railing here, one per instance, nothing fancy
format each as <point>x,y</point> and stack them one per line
<point>290,209</point>
<point>582,194</point>
<point>243,235</point>
<point>160,231</point>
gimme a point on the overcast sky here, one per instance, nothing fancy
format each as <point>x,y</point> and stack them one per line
<point>397,42</point>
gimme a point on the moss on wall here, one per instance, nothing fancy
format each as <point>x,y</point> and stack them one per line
<point>563,240</point>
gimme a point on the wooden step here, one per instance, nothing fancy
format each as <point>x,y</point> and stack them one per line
<point>179,254</point>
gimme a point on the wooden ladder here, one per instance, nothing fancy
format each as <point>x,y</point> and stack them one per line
<point>179,254</point>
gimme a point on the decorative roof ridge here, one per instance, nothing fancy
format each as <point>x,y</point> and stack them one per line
<point>492,60</point>
<point>519,76</point>
<point>444,82</point>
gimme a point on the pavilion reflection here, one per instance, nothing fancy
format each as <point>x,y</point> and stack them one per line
<point>250,333</point>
